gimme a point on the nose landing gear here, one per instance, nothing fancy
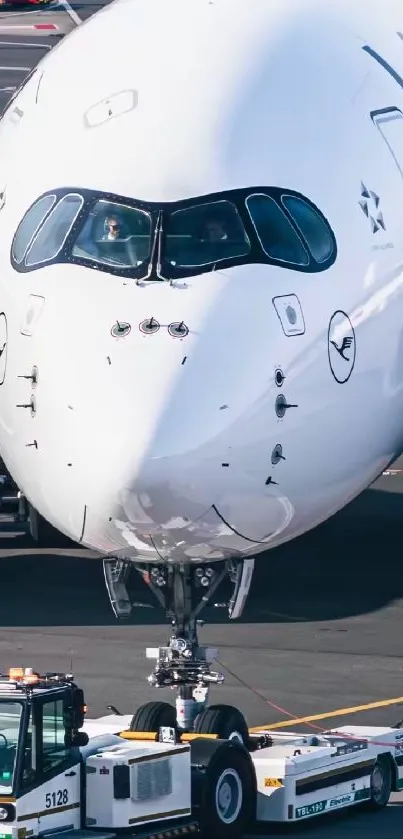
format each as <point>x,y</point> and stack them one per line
<point>183,664</point>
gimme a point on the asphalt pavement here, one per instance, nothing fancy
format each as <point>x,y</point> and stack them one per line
<point>322,630</point>
<point>321,633</point>
<point>28,34</point>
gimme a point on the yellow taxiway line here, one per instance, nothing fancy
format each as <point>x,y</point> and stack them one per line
<point>383,703</point>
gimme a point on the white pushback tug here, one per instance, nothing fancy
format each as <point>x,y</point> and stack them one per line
<point>97,778</point>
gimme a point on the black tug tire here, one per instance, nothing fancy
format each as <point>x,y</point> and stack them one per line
<point>380,783</point>
<point>225,721</point>
<point>223,788</point>
<point>152,716</point>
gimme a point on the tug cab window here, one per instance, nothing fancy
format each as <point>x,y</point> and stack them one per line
<point>29,226</point>
<point>54,749</point>
<point>116,235</point>
<point>204,234</point>
<point>311,225</point>
<point>53,233</point>
<point>45,753</point>
<point>10,721</point>
<point>276,234</point>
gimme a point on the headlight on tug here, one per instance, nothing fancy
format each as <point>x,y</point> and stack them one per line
<point>7,813</point>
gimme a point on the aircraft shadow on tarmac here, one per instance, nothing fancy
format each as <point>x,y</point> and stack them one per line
<point>347,566</point>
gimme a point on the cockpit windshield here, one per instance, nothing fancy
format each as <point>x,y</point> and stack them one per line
<point>204,234</point>
<point>172,240</point>
<point>115,234</point>
<point>10,720</point>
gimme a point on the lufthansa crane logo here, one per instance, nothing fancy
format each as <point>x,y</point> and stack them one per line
<point>341,346</point>
<point>3,347</point>
<point>346,344</point>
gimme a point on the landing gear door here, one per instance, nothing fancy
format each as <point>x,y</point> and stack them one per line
<point>242,581</point>
<point>50,788</point>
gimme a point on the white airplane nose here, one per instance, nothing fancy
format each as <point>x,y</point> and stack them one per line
<point>224,512</point>
<point>187,399</point>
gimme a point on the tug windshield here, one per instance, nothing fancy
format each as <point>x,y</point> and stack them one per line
<point>10,723</point>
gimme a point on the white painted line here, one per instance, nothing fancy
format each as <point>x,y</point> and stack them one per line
<point>24,14</point>
<point>7,89</point>
<point>7,27</point>
<point>17,69</point>
<point>70,12</point>
<point>24,44</point>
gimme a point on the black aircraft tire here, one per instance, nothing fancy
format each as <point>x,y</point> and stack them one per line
<point>225,721</point>
<point>223,788</point>
<point>380,783</point>
<point>152,716</point>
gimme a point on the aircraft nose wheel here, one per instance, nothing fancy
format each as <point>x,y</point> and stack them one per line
<point>225,721</point>
<point>152,716</point>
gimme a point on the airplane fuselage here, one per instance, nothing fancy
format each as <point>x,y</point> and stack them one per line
<point>194,410</point>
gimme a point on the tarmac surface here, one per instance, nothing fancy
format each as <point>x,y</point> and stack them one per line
<point>28,34</point>
<point>322,630</point>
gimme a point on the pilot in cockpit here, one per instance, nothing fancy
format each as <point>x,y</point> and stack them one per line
<point>113,229</point>
<point>214,231</point>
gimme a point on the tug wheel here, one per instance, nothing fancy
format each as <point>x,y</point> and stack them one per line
<point>225,721</point>
<point>152,716</point>
<point>223,788</point>
<point>380,783</point>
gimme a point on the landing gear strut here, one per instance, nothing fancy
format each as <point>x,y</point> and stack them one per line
<point>183,664</point>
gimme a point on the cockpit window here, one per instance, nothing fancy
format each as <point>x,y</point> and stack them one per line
<point>155,241</point>
<point>53,233</point>
<point>204,234</point>
<point>29,225</point>
<point>312,227</point>
<point>115,235</point>
<point>276,234</point>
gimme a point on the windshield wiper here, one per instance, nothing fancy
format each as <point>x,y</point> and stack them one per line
<point>156,244</point>
<point>160,234</point>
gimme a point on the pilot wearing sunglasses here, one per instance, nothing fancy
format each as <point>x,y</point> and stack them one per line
<point>112,229</point>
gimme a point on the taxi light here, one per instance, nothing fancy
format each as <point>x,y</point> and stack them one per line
<point>16,673</point>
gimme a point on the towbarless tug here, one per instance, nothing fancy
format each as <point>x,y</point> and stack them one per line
<point>62,774</point>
